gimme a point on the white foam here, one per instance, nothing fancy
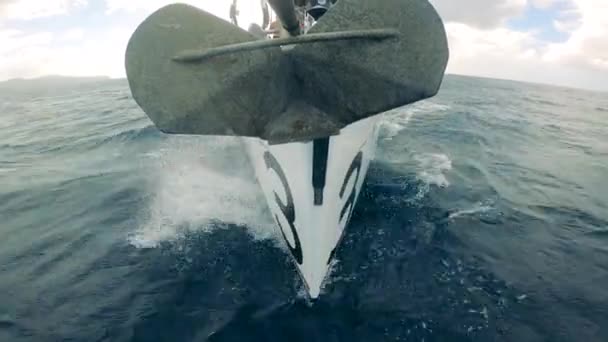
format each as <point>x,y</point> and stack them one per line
<point>195,183</point>
<point>396,120</point>
<point>482,207</point>
<point>432,167</point>
<point>475,210</point>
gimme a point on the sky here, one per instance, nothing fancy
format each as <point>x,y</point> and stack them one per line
<point>561,42</point>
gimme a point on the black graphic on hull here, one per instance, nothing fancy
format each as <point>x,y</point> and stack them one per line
<point>288,209</point>
<point>349,205</point>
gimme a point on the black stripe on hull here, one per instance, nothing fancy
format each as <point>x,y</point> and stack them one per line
<point>319,168</point>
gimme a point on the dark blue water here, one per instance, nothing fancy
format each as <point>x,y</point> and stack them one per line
<point>484,218</point>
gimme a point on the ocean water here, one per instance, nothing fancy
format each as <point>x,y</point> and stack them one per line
<point>483,218</point>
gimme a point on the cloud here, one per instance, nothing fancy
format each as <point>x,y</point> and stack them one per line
<point>14,63</point>
<point>32,9</point>
<point>484,14</point>
<point>481,41</point>
<point>73,34</point>
<point>588,43</point>
<point>149,5</point>
<point>249,10</point>
<point>482,44</point>
<point>507,54</point>
<point>70,52</point>
<point>468,41</point>
<point>80,52</point>
<point>489,52</point>
<point>544,4</point>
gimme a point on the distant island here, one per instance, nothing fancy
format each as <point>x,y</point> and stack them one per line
<point>51,80</point>
<point>51,84</point>
<point>57,78</point>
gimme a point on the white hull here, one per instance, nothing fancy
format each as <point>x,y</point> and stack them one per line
<point>311,189</point>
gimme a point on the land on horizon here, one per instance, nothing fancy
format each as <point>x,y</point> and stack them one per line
<point>62,81</point>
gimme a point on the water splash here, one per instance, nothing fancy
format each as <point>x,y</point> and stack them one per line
<point>397,120</point>
<point>432,168</point>
<point>196,183</point>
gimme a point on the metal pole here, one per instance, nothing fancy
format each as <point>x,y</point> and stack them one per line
<point>286,12</point>
<point>197,56</point>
